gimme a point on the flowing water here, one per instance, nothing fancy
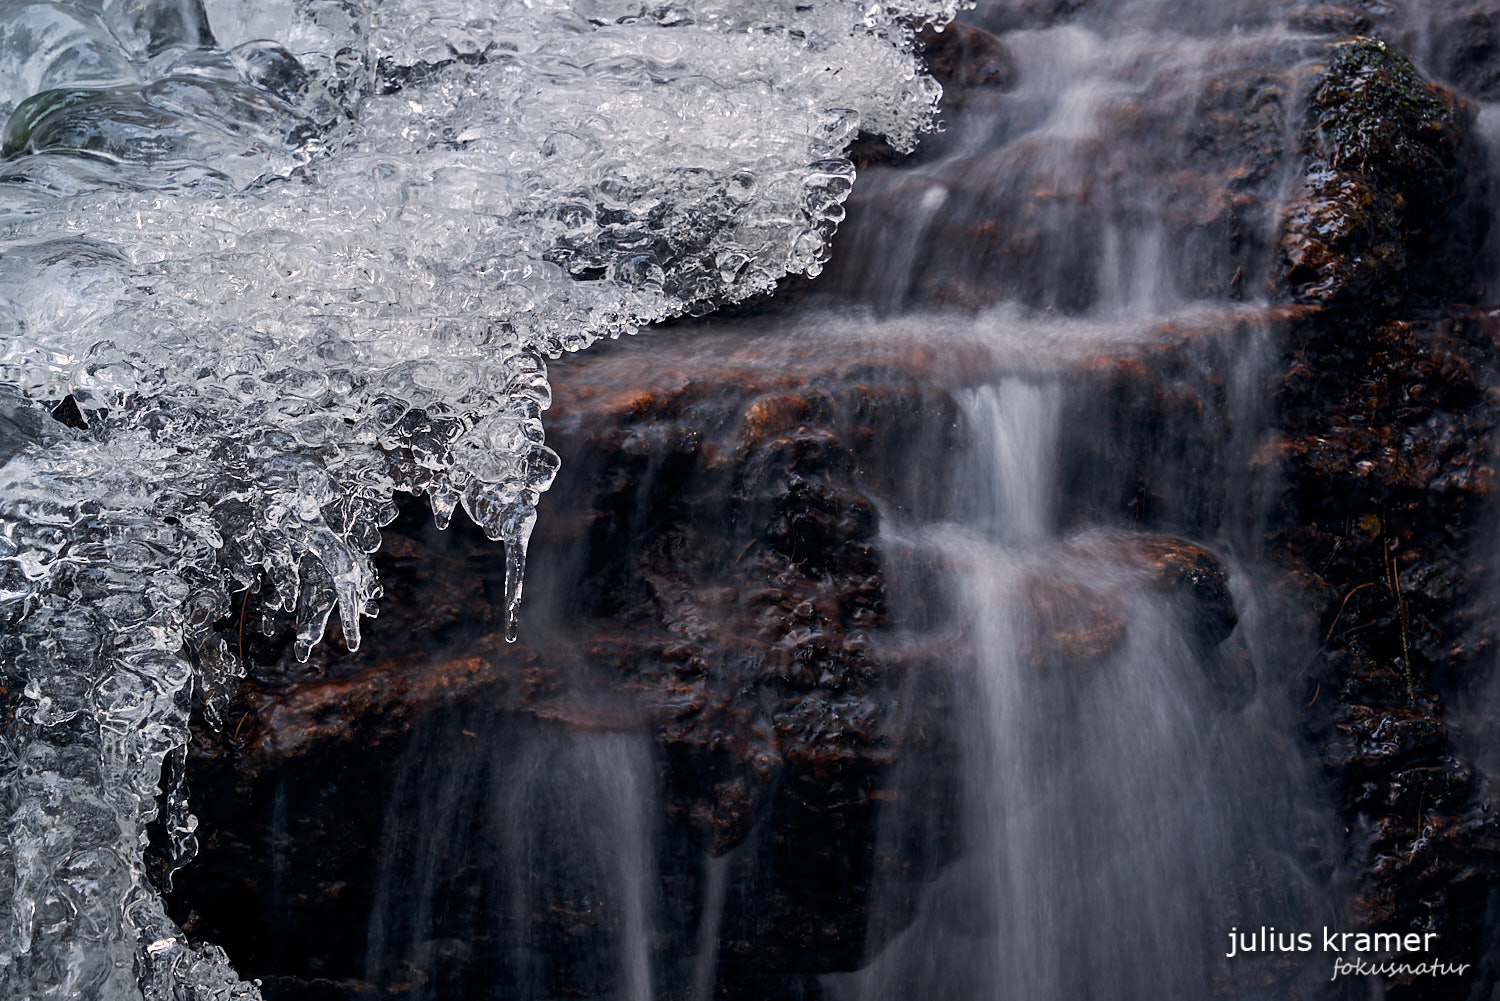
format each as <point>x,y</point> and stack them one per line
<point>502,838</point>
<point>1123,807</point>
<point>1127,802</point>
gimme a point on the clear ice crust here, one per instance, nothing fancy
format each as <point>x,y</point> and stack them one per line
<point>290,258</point>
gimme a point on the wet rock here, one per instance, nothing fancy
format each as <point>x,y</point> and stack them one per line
<point>1392,187</point>
<point>1077,611</point>
<point>709,574</point>
<point>1380,740</point>
<point>710,560</point>
<point>1442,783</point>
<point>1442,857</point>
<point>966,59</point>
<point>1195,575</point>
<point>1343,241</point>
<point>1013,15</point>
<point>1071,626</point>
<point>1390,478</point>
<point>1386,411</point>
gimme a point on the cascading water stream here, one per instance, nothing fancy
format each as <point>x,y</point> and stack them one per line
<point>1128,794</point>
<point>1120,793</point>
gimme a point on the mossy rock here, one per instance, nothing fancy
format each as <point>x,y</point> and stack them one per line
<point>1393,202</point>
<point>1375,112</point>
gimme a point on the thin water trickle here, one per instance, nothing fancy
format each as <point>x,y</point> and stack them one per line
<point>518,859</point>
<point>706,953</point>
<point>1010,491</point>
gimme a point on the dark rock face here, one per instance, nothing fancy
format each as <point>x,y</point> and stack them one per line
<point>712,574</point>
<point>1389,483</point>
<point>1387,415</point>
<point>968,61</point>
<point>708,576</point>
<point>1012,15</point>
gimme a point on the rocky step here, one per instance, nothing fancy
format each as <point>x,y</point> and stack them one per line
<point>708,577</point>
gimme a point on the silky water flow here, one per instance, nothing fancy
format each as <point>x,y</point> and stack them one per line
<point>1128,804</point>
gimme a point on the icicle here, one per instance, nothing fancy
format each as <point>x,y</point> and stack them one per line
<point>515,569</point>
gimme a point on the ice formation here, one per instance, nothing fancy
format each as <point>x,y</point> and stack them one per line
<point>282,281</point>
